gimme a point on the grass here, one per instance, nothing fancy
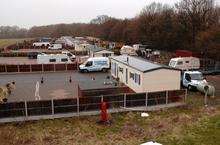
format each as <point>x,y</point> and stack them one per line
<point>7,42</point>
<point>189,125</point>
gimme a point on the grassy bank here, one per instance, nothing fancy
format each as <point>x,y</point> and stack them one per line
<point>7,42</point>
<point>192,124</point>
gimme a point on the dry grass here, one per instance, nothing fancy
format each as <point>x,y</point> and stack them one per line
<point>172,126</point>
<point>7,42</point>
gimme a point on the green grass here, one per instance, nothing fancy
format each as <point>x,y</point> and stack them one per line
<point>7,42</point>
<point>189,125</point>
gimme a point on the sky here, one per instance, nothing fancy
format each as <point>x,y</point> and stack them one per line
<point>28,13</point>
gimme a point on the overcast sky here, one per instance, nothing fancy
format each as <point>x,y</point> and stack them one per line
<point>27,13</point>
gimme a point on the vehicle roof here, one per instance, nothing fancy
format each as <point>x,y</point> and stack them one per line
<point>183,58</point>
<point>140,64</point>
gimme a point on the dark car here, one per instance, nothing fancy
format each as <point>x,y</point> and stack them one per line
<point>33,55</point>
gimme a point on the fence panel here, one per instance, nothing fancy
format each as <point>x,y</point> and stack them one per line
<point>48,67</point>
<point>176,96</point>
<point>65,106</point>
<point>114,101</point>
<point>12,109</point>
<point>24,68</point>
<point>39,108</point>
<point>156,98</point>
<point>89,103</point>
<point>36,67</point>
<point>2,68</point>
<point>60,67</point>
<point>12,68</point>
<point>134,100</point>
<point>72,66</point>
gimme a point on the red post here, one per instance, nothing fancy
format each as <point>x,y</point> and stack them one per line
<point>104,113</point>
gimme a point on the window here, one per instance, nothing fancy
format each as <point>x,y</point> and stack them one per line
<point>187,61</point>
<point>179,63</point>
<point>89,63</point>
<point>64,59</point>
<point>187,77</point>
<point>52,60</point>
<point>113,68</point>
<point>137,78</point>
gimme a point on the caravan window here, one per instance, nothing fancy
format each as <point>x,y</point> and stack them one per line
<point>132,76</point>
<point>137,78</point>
<point>179,63</point>
<point>187,61</point>
<point>64,59</point>
<point>52,60</point>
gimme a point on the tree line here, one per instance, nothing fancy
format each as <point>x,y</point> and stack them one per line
<point>189,24</point>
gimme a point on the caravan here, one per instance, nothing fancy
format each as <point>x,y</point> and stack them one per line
<point>185,63</point>
<point>52,58</point>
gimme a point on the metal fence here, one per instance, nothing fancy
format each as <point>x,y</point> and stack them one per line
<point>10,112</point>
<point>38,67</point>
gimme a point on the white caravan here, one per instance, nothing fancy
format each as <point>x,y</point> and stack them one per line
<point>70,55</point>
<point>185,63</point>
<point>55,46</point>
<point>128,50</point>
<point>95,64</point>
<point>52,58</point>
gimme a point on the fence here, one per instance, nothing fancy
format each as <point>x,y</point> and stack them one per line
<point>38,67</point>
<point>33,110</point>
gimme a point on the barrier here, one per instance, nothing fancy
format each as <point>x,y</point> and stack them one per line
<point>77,106</point>
<point>37,68</point>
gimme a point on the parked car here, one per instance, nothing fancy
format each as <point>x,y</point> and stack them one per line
<point>185,63</point>
<point>52,58</point>
<point>33,55</point>
<point>55,46</point>
<point>95,64</point>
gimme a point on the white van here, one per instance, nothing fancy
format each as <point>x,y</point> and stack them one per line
<point>70,55</point>
<point>55,46</point>
<point>52,58</point>
<point>95,64</point>
<point>185,63</point>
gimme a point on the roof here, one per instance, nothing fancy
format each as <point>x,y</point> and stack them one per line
<point>140,64</point>
<point>97,49</point>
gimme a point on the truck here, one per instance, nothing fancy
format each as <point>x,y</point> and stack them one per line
<point>41,44</point>
<point>185,63</point>
<point>194,80</point>
<point>55,46</point>
<point>52,58</point>
<point>95,64</point>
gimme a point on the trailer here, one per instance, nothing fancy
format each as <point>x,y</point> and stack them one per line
<point>52,58</point>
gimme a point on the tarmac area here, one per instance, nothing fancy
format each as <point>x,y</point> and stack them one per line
<point>55,85</point>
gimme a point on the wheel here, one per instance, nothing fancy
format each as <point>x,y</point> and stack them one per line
<point>190,88</point>
<point>85,71</point>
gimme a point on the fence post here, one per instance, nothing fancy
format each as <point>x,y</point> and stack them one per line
<point>30,68</point>
<point>125,100</point>
<point>102,98</point>
<point>54,67</point>
<point>185,97</point>
<point>42,67</point>
<point>18,67</point>
<point>6,68</point>
<point>66,66</point>
<point>78,106</point>
<point>166,97</point>
<point>26,111</point>
<point>146,101</point>
<point>52,105</point>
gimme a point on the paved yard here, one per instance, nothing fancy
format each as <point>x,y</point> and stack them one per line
<point>56,85</point>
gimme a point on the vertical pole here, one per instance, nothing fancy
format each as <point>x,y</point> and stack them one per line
<point>42,67</point>
<point>125,100</point>
<point>166,97</point>
<point>78,106</point>
<point>18,67</point>
<point>6,68</point>
<point>52,106</point>
<point>185,97</point>
<point>25,105</point>
<point>66,66</point>
<point>102,98</point>
<point>205,99</point>
<point>54,67</point>
<point>30,68</point>
<point>146,101</point>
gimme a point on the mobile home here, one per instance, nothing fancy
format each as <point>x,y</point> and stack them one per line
<point>144,76</point>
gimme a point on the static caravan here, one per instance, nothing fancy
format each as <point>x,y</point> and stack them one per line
<point>100,52</point>
<point>144,76</point>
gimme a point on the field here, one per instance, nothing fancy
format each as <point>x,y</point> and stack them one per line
<point>7,42</point>
<point>192,124</point>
